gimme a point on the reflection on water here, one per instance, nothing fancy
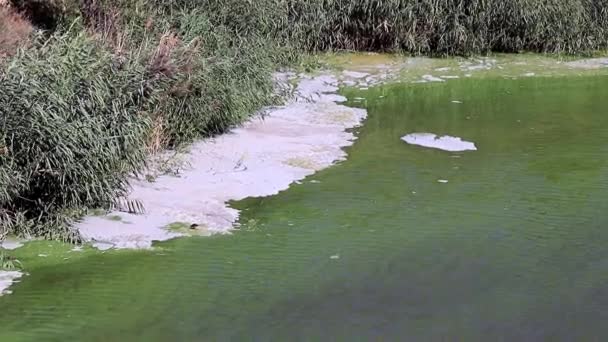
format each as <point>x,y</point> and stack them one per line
<point>511,247</point>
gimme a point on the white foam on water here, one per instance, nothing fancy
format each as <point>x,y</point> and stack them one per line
<point>11,243</point>
<point>355,74</point>
<point>7,278</point>
<point>590,63</point>
<point>431,78</point>
<point>446,142</point>
<point>261,158</point>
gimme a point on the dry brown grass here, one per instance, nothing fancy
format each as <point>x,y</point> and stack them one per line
<point>158,139</point>
<point>14,31</point>
<point>162,62</point>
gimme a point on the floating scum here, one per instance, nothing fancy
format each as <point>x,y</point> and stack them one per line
<point>446,142</point>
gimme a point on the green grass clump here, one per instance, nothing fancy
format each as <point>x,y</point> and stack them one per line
<point>8,263</point>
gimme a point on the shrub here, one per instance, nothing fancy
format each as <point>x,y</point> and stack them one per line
<point>73,129</point>
<point>217,79</point>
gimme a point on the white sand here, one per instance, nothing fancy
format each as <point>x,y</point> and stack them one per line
<point>261,158</point>
<point>7,278</point>
<point>446,142</point>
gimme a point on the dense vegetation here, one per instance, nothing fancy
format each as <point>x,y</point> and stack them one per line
<point>102,84</point>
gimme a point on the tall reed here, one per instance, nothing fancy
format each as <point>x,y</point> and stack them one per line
<point>451,26</point>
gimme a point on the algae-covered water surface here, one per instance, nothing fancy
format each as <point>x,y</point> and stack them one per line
<point>399,242</point>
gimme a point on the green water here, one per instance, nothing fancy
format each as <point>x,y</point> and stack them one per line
<point>513,247</point>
